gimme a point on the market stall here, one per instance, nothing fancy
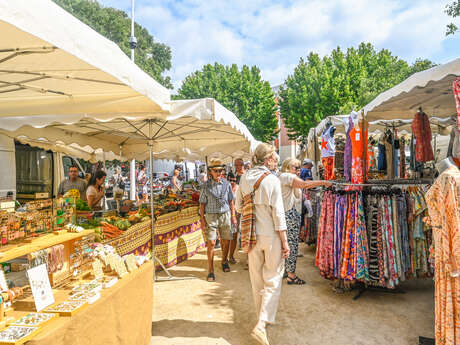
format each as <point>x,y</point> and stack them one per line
<point>56,269</point>
<point>371,227</point>
<point>194,129</point>
<point>51,63</point>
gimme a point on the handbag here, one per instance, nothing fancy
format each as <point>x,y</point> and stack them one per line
<point>248,218</point>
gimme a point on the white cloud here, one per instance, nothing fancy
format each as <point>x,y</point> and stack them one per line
<point>275,35</point>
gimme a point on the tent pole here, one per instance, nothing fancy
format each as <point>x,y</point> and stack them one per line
<point>152,232</point>
<point>152,211</point>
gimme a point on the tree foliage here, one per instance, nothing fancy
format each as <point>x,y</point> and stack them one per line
<point>336,83</point>
<point>152,57</point>
<point>452,10</point>
<point>242,91</point>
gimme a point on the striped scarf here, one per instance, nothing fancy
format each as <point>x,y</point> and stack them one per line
<point>248,219</point>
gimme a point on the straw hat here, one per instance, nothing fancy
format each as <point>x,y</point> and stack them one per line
<point>216,163</point>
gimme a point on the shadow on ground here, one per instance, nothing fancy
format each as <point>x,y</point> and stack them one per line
<point>195,312</point>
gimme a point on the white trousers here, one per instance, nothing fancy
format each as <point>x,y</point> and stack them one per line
<point>266,268</point>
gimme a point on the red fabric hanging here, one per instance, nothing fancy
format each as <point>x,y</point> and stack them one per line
<point>422,132</point>
<point>456,87</point>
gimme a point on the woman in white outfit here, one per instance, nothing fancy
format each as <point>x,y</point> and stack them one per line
<point>266,258</point>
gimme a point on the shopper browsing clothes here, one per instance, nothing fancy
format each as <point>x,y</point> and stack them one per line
<point>266,256</point>
<point>290,186</point>
<point>217,214</point>
<point>73,183</point>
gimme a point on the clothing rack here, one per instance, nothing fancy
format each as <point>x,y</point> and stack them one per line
<point>364,287</point>
<point>386,182</point>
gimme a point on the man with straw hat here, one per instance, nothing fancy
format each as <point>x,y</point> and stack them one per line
<point>217,214</point>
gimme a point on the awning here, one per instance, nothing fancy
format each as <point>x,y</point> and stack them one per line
<point>51,63</point>
<point>430,89</point>
<point>195,129</point>
<point>74,150</point>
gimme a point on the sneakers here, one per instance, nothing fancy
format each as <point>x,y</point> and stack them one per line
<point>260,335</point>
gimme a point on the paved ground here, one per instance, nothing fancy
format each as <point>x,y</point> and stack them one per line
<point>195,312</point>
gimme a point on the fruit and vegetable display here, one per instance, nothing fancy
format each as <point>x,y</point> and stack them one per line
<point>82,205</point>
<point>174,202</point>
<point>111,227</point>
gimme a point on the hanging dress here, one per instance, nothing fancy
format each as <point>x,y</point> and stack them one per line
<point>359,142</point>
<point>328,153</point>
<point>347,157</point>
<point>422,133</point>
<point>443,200</point>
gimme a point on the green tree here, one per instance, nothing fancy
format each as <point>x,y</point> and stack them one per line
<point>242,91</point>
<point>453,10</point>
<point>339,82</point>
<point>152,57</point>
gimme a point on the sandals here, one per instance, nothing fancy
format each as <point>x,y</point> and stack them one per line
<point>232,261</point>
<point>295,281</point>
<point>225,267</point>
<point>211,277</point>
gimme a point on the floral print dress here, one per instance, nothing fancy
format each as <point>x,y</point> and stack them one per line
<point>443,200</point>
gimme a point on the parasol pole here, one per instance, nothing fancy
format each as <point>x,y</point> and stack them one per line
<point>152,213</point>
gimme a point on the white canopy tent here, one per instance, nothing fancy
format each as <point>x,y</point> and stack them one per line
<point>430,89</point>
<point>195,129</point>
<point>51,63</point>
<point>74,150</point>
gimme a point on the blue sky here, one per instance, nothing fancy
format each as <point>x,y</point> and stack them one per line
<point>275,34</point>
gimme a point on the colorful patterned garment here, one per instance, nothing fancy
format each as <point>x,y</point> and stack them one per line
<point>348,270</point>
<point>382,250</point>
<point>422,132</point>
<point>347,157</point>
<point>339,224</point>
<point>443,200</point>
<point>456,88</point>
<point>324,250</point>
<point>248,218</point>
<point>328,165</point>
<point>362,250</point>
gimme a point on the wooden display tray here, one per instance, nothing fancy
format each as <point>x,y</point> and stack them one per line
<point>17,250</point>
<point>65,313</point>
<point>41,325</point>
<point>22,340</point>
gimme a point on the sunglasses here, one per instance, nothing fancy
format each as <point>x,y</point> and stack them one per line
<point>217,170</point>
<point>296,168</point>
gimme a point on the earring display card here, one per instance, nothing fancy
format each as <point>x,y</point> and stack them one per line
<point>40,286</point>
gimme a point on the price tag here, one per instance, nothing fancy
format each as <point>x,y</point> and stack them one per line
<point>40,286</point>
<point>358,136</point>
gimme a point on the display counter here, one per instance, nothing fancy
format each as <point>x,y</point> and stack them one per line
<point>123,315</point>
<point>178,236</point>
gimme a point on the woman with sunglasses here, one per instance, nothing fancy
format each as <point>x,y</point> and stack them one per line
<point>290,189</point>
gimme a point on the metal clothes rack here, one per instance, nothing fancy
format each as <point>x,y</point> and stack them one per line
<point>363,287</point>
